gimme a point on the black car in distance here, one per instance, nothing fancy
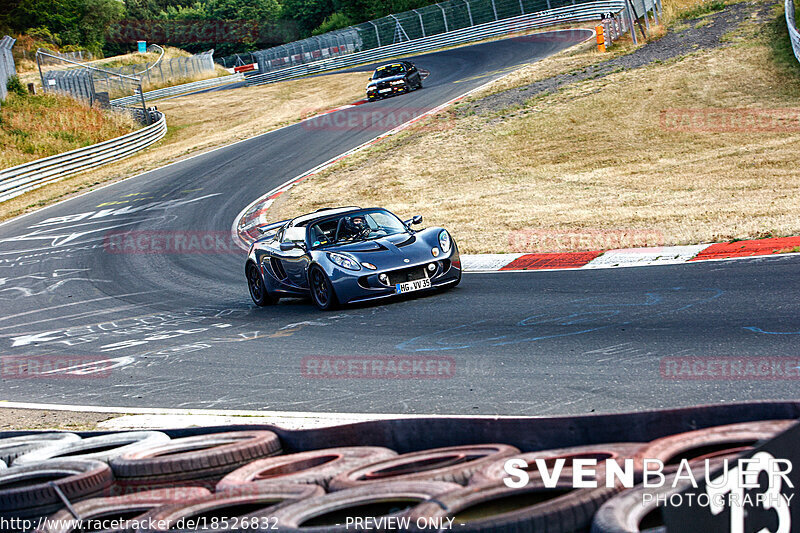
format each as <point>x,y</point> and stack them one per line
<point>393,78</point>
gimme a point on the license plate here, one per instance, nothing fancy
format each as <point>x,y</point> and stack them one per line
<point>410,286</point>
<point>385,91</point>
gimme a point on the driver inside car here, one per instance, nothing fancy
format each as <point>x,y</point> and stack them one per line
<point>353,228</point>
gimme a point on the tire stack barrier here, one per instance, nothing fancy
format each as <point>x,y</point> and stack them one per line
<point>273,479</point>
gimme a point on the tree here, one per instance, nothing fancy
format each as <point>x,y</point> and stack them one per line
<point>251,10</point>
<point>196,11</point>
<point>96,17</point>
<point>337,21</point>
<point>308,14</point>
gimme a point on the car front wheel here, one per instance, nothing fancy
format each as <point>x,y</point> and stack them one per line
<point>258,291</point>
<point>322,292</point>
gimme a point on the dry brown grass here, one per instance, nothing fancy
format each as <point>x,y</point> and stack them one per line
<point>570,60</point>
<point>200,122</point>
<point>39,419</point>
<point>158,83</point>
<point>32,127</point>
<point>594,156</point>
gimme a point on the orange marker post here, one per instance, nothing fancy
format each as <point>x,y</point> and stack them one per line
<point>601,40</point>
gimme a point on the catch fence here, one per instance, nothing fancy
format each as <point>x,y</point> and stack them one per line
<point>7,68</point>
<point>429,28</point>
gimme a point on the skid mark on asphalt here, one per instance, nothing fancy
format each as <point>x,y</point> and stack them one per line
<point>759,330</point>
<point>40,283</point>
<point>83,302</point>
<point>67,229</point>
<point>581,316</point>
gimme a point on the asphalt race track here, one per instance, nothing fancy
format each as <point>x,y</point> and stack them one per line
<point>180,330</point>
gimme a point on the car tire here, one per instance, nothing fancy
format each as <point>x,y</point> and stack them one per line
<point>100,448</point>
<point>454,464</point>
<point>201,460</point>
<point>247,507</point>
<point>119,507</point>
<point>458,279</point>
<point>488,508</point>
<point>715,442</point>
<point>629,511</point>
<point>258,290</point>
<point>13,447</point>
<point>390,498</point>
<point>315,467</point>
<point>76,479</point>
<point>322,292</point>
<point>494,473</point>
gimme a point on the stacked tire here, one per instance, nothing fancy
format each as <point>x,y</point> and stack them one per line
<point>145,481</point>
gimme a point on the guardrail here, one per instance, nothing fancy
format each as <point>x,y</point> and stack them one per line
<point>28,176</point>
<point>794,35</point>
<point>176,90</point>
<point>573,13</point>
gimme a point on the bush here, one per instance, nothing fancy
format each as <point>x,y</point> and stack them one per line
<point>336,21</point>
<point>45,35</point>
<point>15,86</point>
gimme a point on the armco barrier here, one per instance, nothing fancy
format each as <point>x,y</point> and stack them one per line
<point>794,35</point>
<point>573,13</point>
<point>28,176</point>
<point>176,90</point>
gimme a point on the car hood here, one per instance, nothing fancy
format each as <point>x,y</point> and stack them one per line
<point>391,251</point>
<point>390,78</point>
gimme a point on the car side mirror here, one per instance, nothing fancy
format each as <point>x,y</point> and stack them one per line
<point>286,246</point>
<point>417,219</point>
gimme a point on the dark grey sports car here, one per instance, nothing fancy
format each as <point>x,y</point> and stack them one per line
<point>392,79</point>
<point>349,254</point>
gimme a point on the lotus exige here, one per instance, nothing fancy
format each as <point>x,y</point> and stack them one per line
<point>349,254</point>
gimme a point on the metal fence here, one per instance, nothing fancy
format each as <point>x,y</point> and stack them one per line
<point>237,60</point>
<point>794,35</point>
<point>53,57</point>
<point>7,68</point>
<point>122,86</point>
<point>586,11</point>
<point>28,176</point>
<point>168,71</point>
<point>176,90</point>
<point>93,85</point>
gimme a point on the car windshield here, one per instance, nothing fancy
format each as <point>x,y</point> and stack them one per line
<point>388,71</point>
<point>355,227</point>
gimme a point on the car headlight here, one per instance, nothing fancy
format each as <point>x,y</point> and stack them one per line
<point>444,241</point>
<point>398,82</point>
<point>344,261</point>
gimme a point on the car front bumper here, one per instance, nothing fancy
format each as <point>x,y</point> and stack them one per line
<point>395,90</point>
<point>365,285</point>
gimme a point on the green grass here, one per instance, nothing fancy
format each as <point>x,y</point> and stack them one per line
<point>777,35</point>
<point>704,8</point>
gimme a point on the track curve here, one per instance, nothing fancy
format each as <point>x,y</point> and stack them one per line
<point>179,330</point>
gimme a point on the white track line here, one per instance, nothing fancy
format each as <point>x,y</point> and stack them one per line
<point>224,412</point>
